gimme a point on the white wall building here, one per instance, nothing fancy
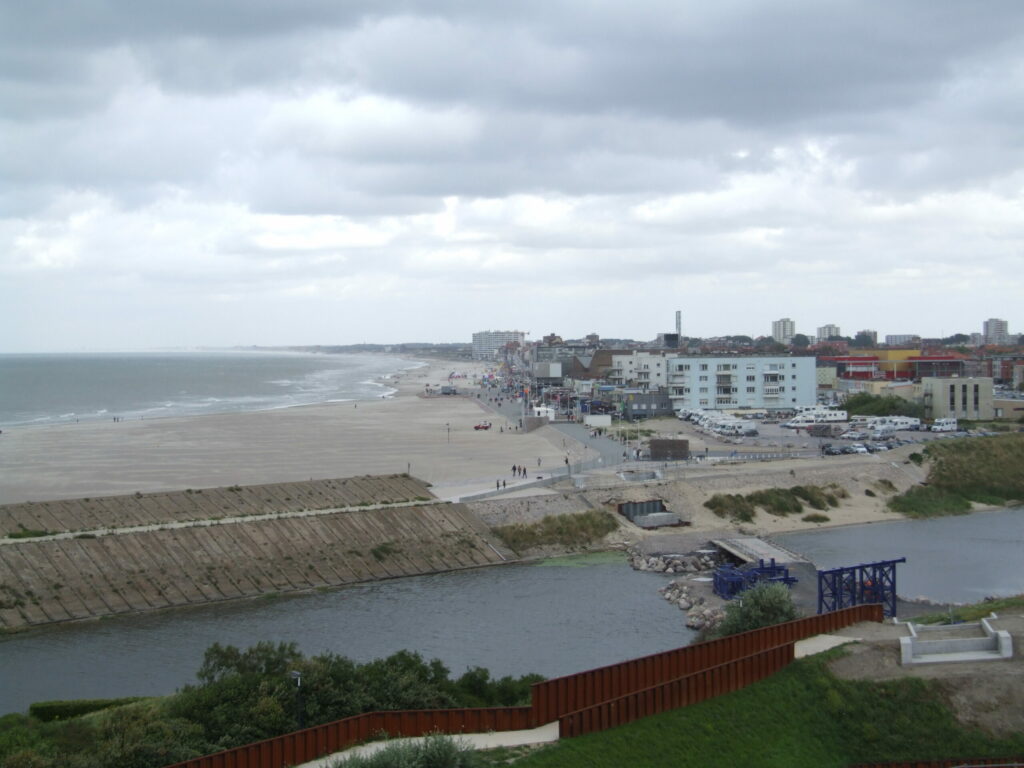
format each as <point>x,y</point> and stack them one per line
<point>783,330</point>
<point>825,332</point>
<point>995,331</point>
<point>487,344</point>
<point>640,369</point>
<point>742,382</point>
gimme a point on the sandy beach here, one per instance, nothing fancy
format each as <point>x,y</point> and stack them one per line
<point>431,437</point>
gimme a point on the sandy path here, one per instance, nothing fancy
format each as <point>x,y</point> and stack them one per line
<point>404,433</point>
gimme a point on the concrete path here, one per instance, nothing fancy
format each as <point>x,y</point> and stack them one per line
<point>544,734</point>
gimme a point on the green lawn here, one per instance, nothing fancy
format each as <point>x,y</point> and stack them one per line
<point>803,716</point>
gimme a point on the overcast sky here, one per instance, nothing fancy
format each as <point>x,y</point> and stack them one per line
<point>272,172</point>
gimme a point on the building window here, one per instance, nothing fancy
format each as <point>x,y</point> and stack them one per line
<point>751,378</point>
<point>703,378</point>
<point>976,397</point>
<point>751,390</point>
<point>703,390</point>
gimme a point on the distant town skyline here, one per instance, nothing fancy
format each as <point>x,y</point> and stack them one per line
<point>222,174</point>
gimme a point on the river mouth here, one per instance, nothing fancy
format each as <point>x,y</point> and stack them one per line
<point>552,617</point>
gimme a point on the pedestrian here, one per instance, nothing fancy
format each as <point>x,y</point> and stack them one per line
<point>497,485</point>
<point>513,469</point>
<point>503,484</point>
<point>538,462</point>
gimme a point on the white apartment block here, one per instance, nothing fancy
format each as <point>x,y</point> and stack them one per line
<point>487,344</point>
<point>825,332</point>
<point>742,382</point>
<point>901,339</point>
<point>995,331</point>
<point>640,369</point>
<point>783,330</point>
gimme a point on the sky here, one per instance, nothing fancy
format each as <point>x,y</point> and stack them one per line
<point>195,173</point>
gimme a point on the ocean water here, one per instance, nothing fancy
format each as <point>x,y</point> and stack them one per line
<point>47,389</point>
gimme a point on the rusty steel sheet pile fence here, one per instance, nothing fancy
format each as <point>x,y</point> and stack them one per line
<point>681,692</point>
<point>550,699</point>
<point>556,697</point>
<point>320,740</point>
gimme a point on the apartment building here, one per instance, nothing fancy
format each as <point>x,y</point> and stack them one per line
<point>487,344</point>
<point>645,370</point>
<point>783,330</point>
<point>742,382</point>
<point>995,331</point>
<point>826,332</point>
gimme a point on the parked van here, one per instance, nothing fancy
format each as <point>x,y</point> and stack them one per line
<point>944,425</point>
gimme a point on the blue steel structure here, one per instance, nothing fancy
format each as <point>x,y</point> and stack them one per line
<point>730,580</point>
<point>858,584</point>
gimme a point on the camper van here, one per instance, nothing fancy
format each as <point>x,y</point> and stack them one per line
<point>944,425</point>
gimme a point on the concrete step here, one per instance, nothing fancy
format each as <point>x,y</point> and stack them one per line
<point>939,658</point>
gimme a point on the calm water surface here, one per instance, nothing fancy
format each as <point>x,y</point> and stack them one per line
<point>549,619</point>
<point>949,559</point>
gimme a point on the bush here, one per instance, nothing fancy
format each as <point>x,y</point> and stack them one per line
<point>762,605</point>
<point>777,501</point>
<point>917,458</point>
<point>815,517</point>
<point>48,711</point>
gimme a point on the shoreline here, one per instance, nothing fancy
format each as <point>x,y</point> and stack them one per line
<point>386,381</point>
<point>431,437</point>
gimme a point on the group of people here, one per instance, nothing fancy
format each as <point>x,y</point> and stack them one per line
<point>518,471</point>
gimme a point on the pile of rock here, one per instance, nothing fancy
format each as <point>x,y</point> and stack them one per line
<point>699,613</point>
<point>692,563</point>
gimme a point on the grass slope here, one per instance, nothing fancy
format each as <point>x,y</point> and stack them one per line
<point>801,717</point>
<point>985,470</point>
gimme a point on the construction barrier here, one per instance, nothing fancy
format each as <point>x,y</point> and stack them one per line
<point>309,744</point>
<point>681,692</point>
<point>558,696</point>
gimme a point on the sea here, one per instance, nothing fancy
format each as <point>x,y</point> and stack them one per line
<point>48,389</point>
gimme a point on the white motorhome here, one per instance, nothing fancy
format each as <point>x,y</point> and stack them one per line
<point>900,422</point>
<point>944,425</point>
<point>807,418</point>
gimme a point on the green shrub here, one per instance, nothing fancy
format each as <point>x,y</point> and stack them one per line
<point>762,605</point>
<point>385,550</point>
<point>869,492</point>
<point>917,458</point>
<point>815,517</point>
<point>48,711</point>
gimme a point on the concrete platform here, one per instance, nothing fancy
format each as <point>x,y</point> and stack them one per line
<point>750,549</point>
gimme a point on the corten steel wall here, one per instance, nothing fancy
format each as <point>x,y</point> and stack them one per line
<point>553,698</point>
<point>691,689</point>
<point>1007,762</point>
<point>311,743</point>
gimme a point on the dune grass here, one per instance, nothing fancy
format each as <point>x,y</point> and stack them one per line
<point>986,470</point>
<point>571,531</point>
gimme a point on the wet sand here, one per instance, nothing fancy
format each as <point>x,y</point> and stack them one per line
<point>407,432</point>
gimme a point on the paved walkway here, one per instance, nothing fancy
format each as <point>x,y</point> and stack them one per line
<point>544,734</point>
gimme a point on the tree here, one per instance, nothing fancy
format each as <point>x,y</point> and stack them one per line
<point>800,341</point>
<point>763,605</point>
<point>865,404</point>
<point>862,341</point>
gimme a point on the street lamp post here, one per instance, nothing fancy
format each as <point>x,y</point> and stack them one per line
<point>299,713</point>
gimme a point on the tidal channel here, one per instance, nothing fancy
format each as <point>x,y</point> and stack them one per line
<point>553,618</point>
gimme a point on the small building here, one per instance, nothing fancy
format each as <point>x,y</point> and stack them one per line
<point>957,398</point>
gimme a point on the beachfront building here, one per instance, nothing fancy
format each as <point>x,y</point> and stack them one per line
<point>488,344</point>
<point>645,370</point>
<point>783,330</point>
<point>763,383</point>
<point>957,398</point>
